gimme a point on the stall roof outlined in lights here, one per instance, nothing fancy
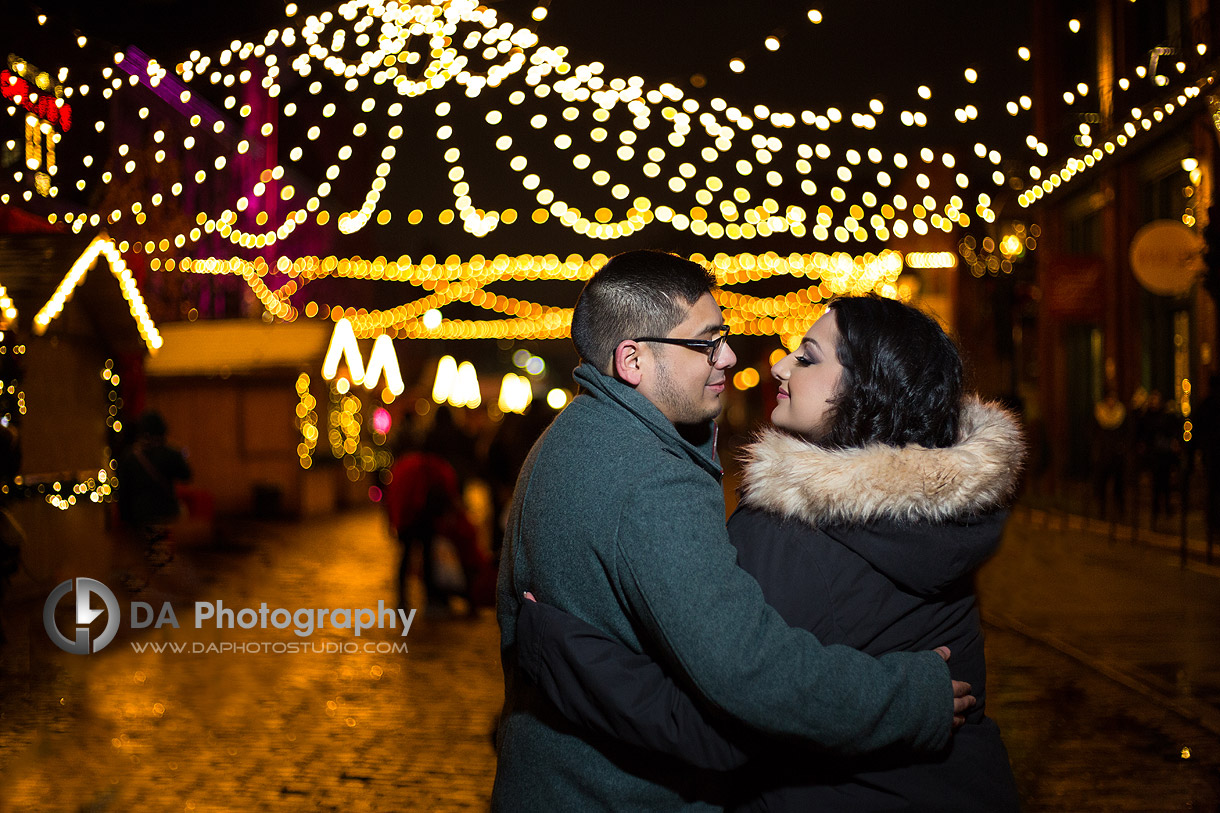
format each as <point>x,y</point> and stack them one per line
<point>71,312</point>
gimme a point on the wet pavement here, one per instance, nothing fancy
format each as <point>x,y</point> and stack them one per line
<point>1103,656</point>
<point>1079,741</point>
<point>1103,667</point>
<point>346,731</point>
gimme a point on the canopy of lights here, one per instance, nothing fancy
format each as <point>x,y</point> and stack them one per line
<point>605,156</point>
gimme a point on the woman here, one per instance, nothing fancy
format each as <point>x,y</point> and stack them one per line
<point>864,514</point>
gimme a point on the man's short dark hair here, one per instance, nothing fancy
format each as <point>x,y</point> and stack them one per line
<point>902,376</point>
<point>636,293</point>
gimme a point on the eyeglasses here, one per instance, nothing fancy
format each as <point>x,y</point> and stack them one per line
<point>711,347</point>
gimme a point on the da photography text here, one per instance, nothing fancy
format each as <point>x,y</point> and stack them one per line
<point>303,621</point>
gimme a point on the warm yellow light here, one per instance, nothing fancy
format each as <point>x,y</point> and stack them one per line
<point>383,361</point>
<point>466,387</point>
<point>746,379</point>
<point>516,393</point>
<point>104,247</point>
<point>343,347</point>
<point>931,259</point>
<point>446,377</point>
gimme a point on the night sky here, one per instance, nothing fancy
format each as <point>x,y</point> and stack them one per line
<point>859,52</point>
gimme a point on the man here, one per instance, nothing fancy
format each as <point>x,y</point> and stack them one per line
<point>618,518</point>
<point>149,472</point>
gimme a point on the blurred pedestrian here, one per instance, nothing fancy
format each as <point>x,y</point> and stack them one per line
<point>148,473</point>
<point>447,439</point>
<point>1158,432</point>
<point>424,504</point>
<point>505,455</point>
<point>1110,442</point>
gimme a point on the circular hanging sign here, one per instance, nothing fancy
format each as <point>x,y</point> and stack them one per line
<point>1166,256</point>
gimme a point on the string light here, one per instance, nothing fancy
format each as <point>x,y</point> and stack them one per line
<point>466,281</point>
<point>507,53</point>
<point>307,421</point>
<point>375,49</point>
<point>8,311</point>
<point>101,246</point>
<point>47,116</point>
<point>70,490</point>
<point>1123,136</point>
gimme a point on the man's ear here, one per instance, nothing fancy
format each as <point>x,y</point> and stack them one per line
<point>627,362</point>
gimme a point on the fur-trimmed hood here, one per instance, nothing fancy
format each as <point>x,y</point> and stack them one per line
<point>793,478</point>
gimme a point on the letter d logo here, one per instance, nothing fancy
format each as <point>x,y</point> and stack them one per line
<point>85,614</point>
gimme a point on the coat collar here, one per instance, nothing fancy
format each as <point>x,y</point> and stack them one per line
<point>792,477</point>
<point>609,389</point>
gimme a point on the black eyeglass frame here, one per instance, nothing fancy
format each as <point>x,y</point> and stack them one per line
<point>710,347</point>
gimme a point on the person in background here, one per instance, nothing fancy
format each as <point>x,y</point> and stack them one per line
<point>505,455</point>
<point>148,472</point>
<point>423,502</point>
<point>1159,429</point>
<point>447,439</point>
<point>1111,442</point>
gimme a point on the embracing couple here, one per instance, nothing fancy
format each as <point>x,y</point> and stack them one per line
<point>823,652</point>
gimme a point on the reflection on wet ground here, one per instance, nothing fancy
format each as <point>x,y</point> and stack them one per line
<point>1103,661</point>
<point>380,730</point>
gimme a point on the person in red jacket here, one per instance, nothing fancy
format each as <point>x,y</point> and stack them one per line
<point>423,502</point>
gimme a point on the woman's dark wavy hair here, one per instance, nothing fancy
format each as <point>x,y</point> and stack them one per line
<point>902,376</point>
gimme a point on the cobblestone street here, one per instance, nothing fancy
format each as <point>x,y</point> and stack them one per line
<point>1093,744</point>
<point>123,730</point>
<point>1103,661</point>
